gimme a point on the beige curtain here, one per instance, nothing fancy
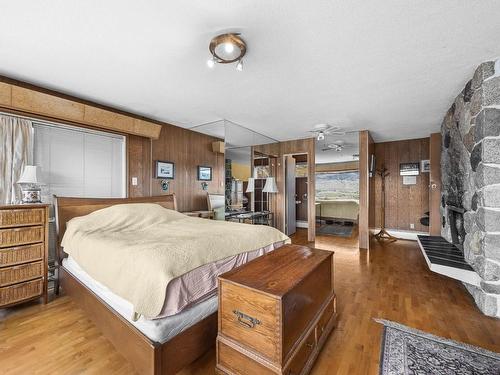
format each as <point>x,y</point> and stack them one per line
<point>16,151</point>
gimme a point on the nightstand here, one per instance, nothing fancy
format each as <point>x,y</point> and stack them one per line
<point>23,253</point>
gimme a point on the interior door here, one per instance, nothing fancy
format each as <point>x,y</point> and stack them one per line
<point>290,224</point>
<point>301,192</point>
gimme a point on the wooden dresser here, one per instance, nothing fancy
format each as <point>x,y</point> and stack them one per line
<point>23,253</point>
<point>275,312</point>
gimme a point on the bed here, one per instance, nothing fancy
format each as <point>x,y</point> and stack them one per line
<point>154,346</point>
<point>338,209</point>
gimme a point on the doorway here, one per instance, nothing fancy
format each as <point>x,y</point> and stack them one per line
<point>296,196</point>
<point>337,186</point>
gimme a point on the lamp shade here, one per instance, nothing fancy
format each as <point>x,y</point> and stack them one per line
<point>270,186</point>
<point>31,175</point>
<point>251,185</point>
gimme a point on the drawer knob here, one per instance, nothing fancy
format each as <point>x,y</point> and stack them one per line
<point>246,320</point>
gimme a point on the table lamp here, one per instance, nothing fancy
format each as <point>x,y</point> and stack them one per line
<point>30,182</point>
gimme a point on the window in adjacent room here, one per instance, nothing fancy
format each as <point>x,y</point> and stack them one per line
<point>337,185</point>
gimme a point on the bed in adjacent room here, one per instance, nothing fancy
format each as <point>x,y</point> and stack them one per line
<point>147,274</point>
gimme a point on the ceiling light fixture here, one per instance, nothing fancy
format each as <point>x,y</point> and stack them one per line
<point>211,62</point>
<point>239,66</point>
<point>321,136</point>
<point>229,47</point>
<point>226,49</point>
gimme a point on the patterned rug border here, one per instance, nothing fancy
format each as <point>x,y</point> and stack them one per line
<point>461,345</point>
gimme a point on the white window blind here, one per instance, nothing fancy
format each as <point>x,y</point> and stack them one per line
<point>77,162</point>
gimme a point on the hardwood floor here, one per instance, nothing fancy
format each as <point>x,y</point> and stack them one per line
<point>390,281</point>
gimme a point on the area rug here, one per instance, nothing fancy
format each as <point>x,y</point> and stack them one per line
<point>407,351</point>
<point>336,230</point>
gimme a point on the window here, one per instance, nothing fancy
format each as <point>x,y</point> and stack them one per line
<point>77,162</point>
<point>337,185</point>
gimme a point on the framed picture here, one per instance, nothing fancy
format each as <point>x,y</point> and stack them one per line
<point>165,169</point>
<point>425,166</point>
<point>409,169</point>
<point>204,173</point>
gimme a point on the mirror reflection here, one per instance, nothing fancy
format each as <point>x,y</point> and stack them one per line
<point>249,176</point>
<point>337,184</point>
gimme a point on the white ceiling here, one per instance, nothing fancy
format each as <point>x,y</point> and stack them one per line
<point>390,66</point>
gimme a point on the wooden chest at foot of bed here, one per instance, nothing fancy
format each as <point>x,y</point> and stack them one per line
<point>276,312</point>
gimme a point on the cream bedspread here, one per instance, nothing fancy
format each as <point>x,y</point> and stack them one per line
<point>137,249</point>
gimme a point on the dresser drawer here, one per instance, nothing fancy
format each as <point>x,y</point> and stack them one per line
<point>231,361</point>
<point>21,217</point>
<point>20,292</point>
<point>21,236</point>
<point>251,318</point>
<point>21,254</point>
<point>23,272</point>
<point>325,317</point>
<point>302,355</point>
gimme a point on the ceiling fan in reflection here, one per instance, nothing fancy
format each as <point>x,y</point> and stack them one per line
<point>337,146</point>
<point>322,130</point>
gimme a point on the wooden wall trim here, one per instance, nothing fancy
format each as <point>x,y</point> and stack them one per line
<point>338,167</point>
<point>33,100</point>
<point>365,150</point>
<point>435,185</point>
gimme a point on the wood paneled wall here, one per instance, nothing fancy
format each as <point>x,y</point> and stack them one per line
<point>139,166</point>
<point>405,204</point>
<point>300,146</point>
<point>187,149</point>
<point>366,148</point>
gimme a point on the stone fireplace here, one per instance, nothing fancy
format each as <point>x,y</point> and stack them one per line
<point>456,223</point>
<point>470,168</point>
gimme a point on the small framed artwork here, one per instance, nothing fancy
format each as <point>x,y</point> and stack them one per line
<point>425,166</point>
<point>204,173</point>
<point>165,170</point>
<point>409,169</point>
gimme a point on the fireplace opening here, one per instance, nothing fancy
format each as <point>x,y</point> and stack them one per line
<point>456,220</point>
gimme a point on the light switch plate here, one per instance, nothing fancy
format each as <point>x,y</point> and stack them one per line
<point>412,226</point>
<point>134,181</point>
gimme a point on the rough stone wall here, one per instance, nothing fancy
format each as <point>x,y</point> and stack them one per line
<point>470,165</point>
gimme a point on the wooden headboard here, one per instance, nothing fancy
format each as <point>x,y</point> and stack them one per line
<point>68,208</point>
